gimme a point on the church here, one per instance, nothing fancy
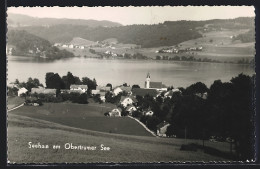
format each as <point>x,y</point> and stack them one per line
<point>154,85</point>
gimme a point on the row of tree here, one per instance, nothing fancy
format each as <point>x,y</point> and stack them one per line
<point>54,81</point>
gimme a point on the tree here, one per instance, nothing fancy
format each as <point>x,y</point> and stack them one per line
<point>109,85</point>
<point>53,81</point>
<point>135,86</point>
<point>92,84</point>
<point>196,88</point>
<point>68,80</point>
<point>32,83</point>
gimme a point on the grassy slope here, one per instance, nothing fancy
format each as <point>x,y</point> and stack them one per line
<point>89,117</point>
<point>124,148</point>
<point>14,101</point>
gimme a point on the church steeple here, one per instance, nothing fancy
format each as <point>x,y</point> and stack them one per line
<point>147,82</point>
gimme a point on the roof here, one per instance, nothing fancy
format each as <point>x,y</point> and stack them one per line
<point>23,89</point>
<point>105,88</point>
<point>102,93</point>
<point>44,91</point>
<point>162,124</point>
<point>129,106</point>
<point>143,92</point>
<point>124,97</point>
<point>74,86</point>
<point>156,85</point>
<point>126,88</point>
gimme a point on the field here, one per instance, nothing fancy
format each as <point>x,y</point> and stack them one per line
<point>90,117</point>
<point>123,148</point>
<point>217,45</point>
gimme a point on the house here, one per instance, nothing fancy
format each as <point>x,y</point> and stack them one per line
<point>71,46</point>
<point>44,91</point>
<point>115,112</point>
<point>117,90</point>
<point>170,93</point>
<point>94,92</point>
<point>154,85</point>
<point>102,96</point>
<point>142,92</point>
<point>125,101</point>
<point>202,95</point>
<point>130,109</point>
<point>22,91</point>
<point>103,88</point>
<point>71,91</point>
<point>148,113</point>
<point>126,89</point>
<point>83,88</point>
<point>162,128</point>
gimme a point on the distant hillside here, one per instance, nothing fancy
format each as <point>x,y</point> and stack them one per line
<point>166,34</point>
<point>81,41</point>
<point>23,43</point>
<point>18,20</point>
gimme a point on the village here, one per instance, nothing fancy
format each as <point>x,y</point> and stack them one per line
<point>127,96</point>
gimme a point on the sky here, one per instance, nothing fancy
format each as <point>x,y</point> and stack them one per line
<point>138,15</point>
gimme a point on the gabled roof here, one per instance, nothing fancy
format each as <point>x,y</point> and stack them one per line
<point>126,88</point>
<point>162,124</point>
<point>44,91</point>
<point>74,86</point>
<point>103,88</point>
<point>124,97</point>
<point>129,106</point>
<point>156,85</point>
<point>143,92</point>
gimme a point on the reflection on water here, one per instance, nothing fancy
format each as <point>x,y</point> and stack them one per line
<point>116,72</point>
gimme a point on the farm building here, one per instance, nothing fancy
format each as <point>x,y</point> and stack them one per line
<point>103,88</point>
<point>42,90</point>
<point>119,89</point>
<point>83,88</point>
<point>22,91</point>
<point>71,91</point>
<point>162,128</point>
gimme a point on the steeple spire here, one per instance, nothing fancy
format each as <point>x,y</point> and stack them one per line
<point>148,75</point>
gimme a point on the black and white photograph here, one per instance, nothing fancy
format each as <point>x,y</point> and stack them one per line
<point>145,84</point>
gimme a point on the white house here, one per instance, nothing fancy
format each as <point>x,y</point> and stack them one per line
<point>162,128</point>
<point>115,112</point>
<point>130,109</point>
<point>22,91</point>
<point>148,113</point>
<point>125,101</point>
<point>83,88</point>
<point>117,90</point>
<point>71,46</point>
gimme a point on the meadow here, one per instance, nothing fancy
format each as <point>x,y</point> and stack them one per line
<point>123,148</point>
<point>90,117</point>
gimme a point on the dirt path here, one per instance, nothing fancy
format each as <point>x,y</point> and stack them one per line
<point>15,107</point>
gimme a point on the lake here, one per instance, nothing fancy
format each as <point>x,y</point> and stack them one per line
<point>117,72</point>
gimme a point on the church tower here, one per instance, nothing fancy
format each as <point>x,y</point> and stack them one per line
<point>147,82</point>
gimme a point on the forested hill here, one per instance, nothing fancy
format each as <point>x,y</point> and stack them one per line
<point>26,44</point>
<point>144,35</point>
<point>165,34</point>
<point>18,20</point>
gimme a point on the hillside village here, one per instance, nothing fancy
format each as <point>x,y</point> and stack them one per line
<point>127,104</point>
